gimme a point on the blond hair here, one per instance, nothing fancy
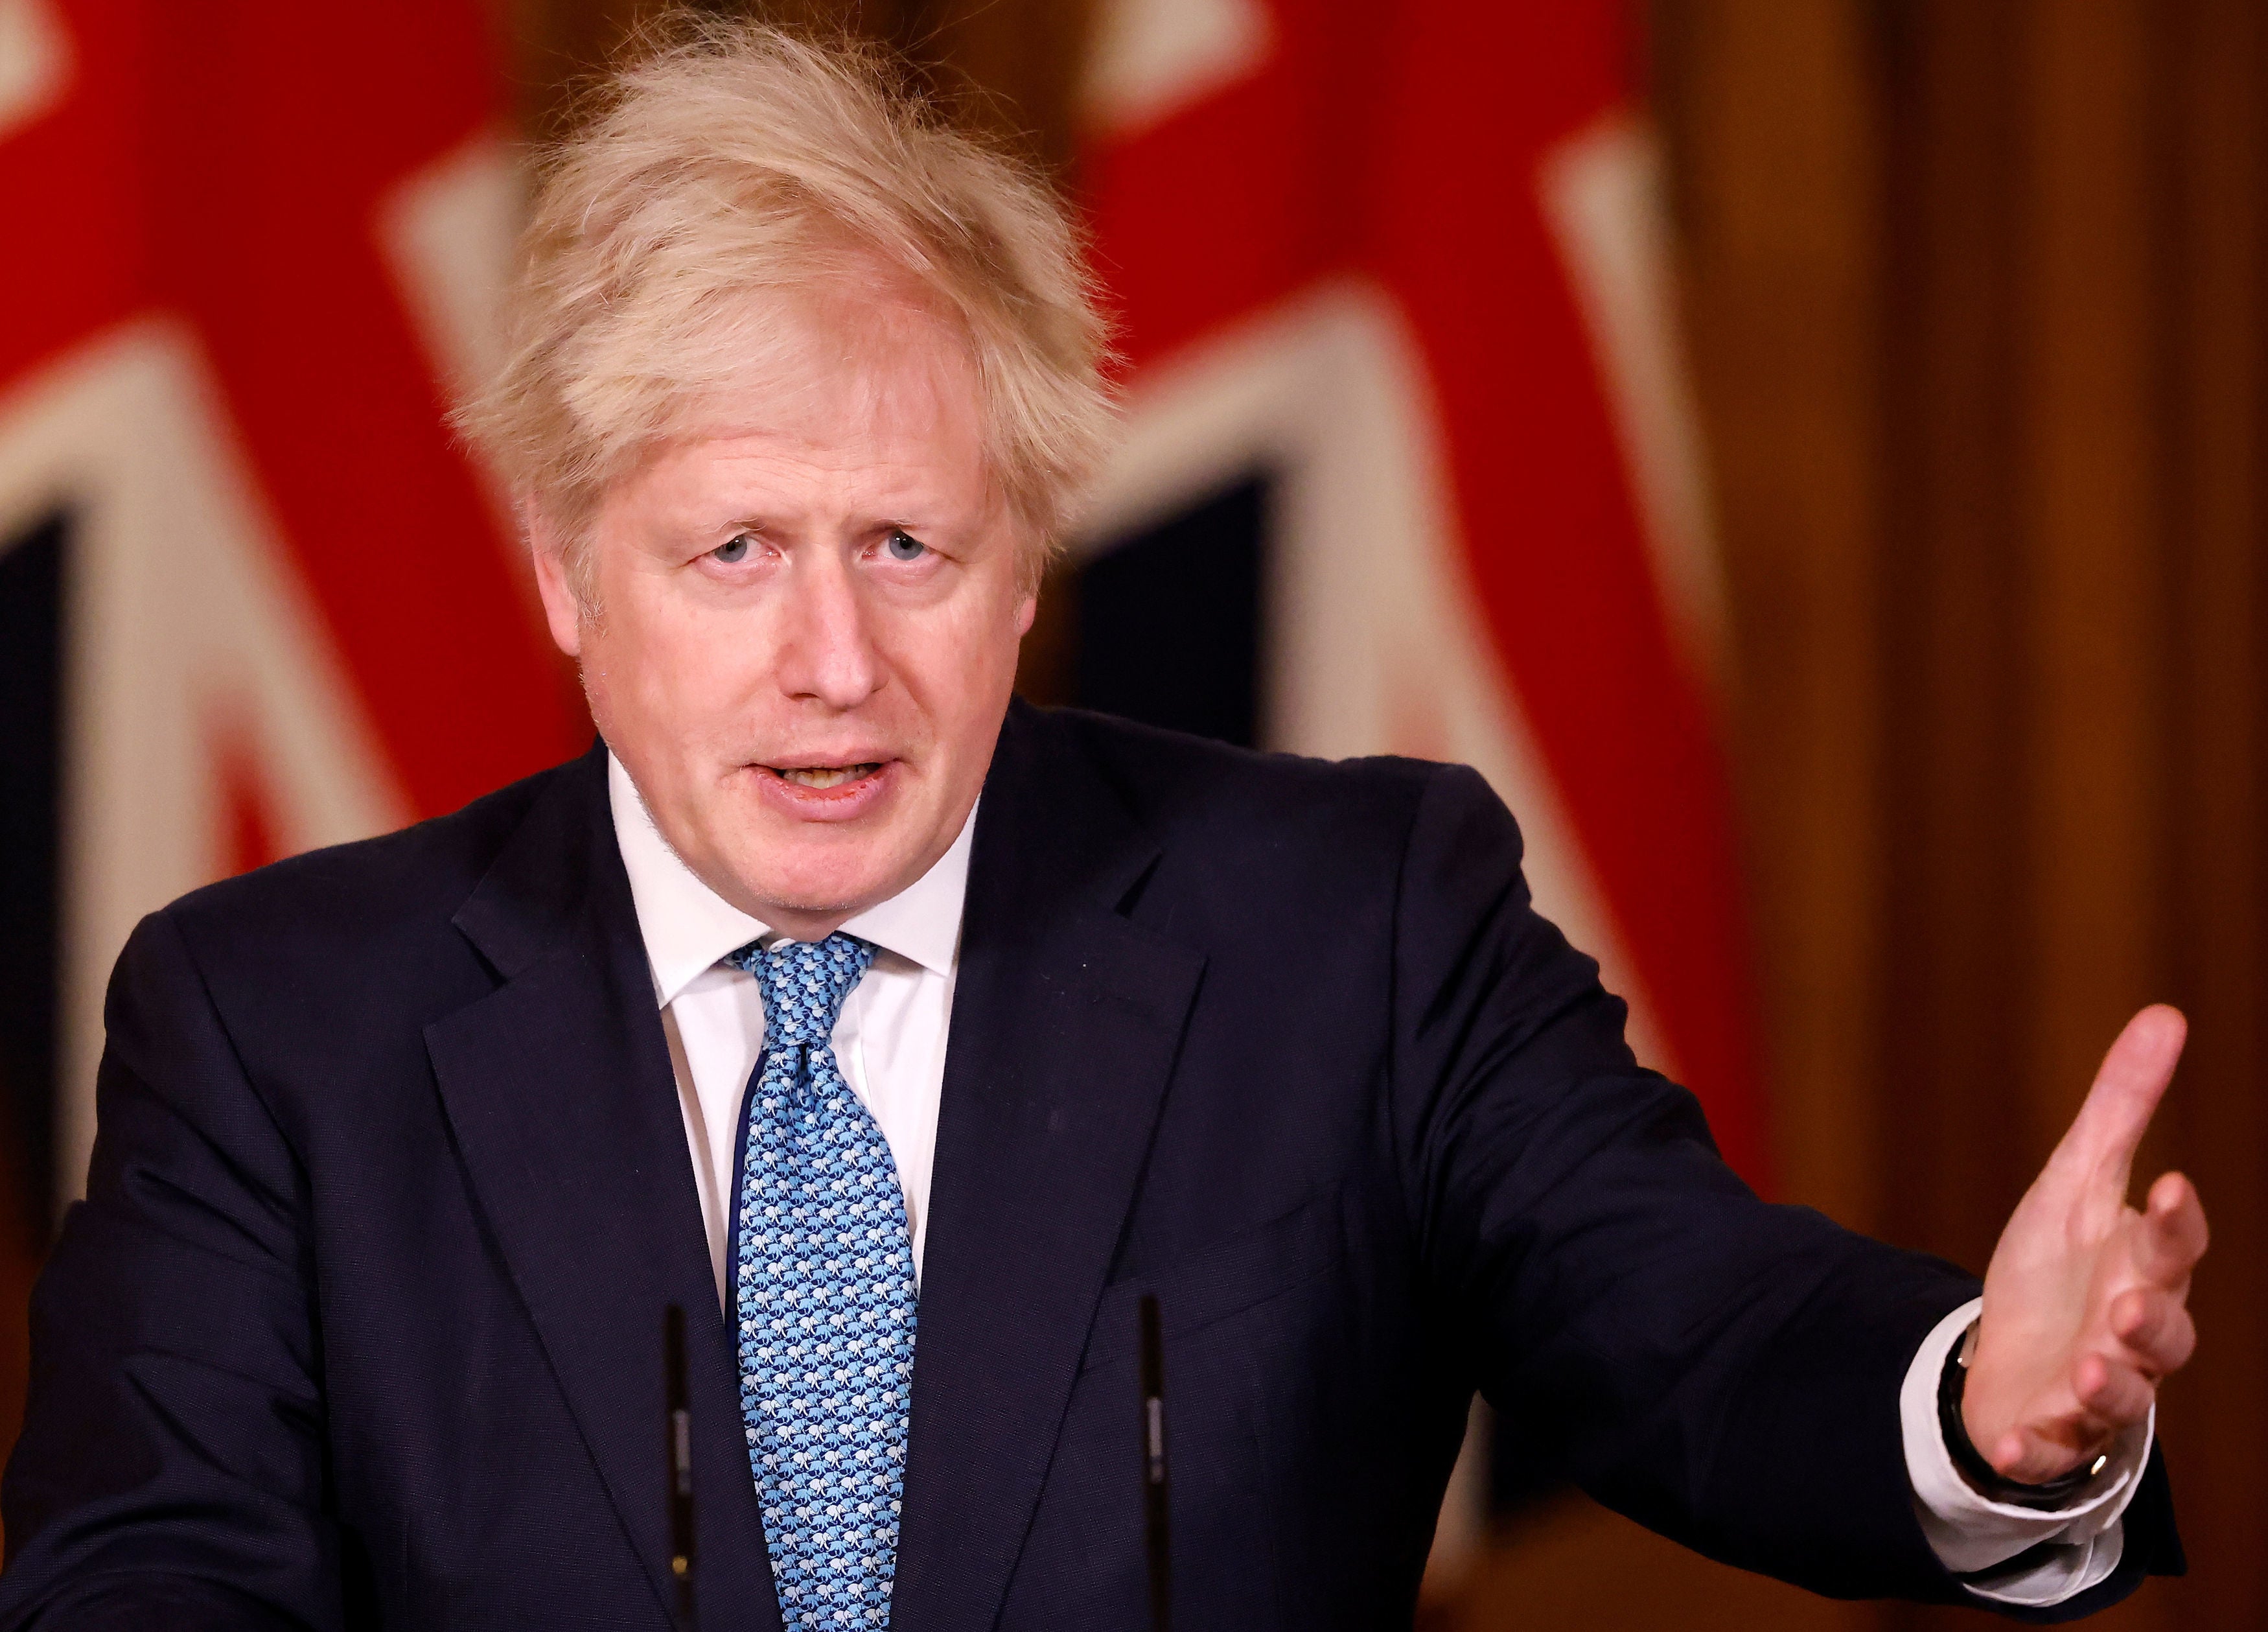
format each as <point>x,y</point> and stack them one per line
<point>732,159</point>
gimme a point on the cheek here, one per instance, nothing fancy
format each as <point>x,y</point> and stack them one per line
<point>680,675</point>
<point>974,645</point>
<point>956,663</point>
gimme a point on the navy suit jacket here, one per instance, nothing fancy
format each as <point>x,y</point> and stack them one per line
<point>360,1324</point>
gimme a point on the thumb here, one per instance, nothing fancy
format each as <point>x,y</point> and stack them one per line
<point>2127,1089</point>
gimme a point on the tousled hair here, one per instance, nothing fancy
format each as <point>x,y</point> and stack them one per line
<point>730,159</point>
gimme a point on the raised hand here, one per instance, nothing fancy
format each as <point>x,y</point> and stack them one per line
<point>2084,1299</point>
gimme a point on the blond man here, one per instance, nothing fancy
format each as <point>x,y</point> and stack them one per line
<point>953,1069</point>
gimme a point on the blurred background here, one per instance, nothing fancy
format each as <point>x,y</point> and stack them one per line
<point>1807,453</point>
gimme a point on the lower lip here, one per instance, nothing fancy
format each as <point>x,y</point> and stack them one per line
<point>845,801</point>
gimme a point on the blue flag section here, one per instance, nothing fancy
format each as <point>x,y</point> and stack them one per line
<point>1167,621</point>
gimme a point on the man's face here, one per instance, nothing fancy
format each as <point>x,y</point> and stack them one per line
<point>806,624</point>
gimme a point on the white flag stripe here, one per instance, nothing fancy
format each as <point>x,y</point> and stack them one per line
<point>35,63</point>
<point>449,235</point>
<point>1152,58</point>
<point>1602,193</point>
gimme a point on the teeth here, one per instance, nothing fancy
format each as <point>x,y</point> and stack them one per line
<point>824,776</point>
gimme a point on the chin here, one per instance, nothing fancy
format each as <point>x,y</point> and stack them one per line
<point>826,869</point>
<point>821,891</point>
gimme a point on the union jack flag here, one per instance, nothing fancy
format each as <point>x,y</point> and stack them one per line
<point>261,602</point>
<point>1404,267</point>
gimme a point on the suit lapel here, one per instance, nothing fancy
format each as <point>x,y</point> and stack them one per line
<point>559,1090</point>
<point>1066,1020</point>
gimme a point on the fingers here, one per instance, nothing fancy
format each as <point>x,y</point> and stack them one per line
<point>2034,1460</point>
<point>2110,1395</point>
<point>2152,1335</point>
<point>2052,1444</point>
<point>2079,1419</point>
<point>2154,1329</point>
<point>2127,1090</point>
<point>2172,1234</point>
<point>2142,1335</point>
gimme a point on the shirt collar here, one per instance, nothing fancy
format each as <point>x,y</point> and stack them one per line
<point>688,926</point>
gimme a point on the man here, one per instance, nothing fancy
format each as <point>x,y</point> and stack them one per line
<point>908,1039</point>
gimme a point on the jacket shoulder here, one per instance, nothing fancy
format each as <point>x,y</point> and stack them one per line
<point>423,872</point>
<point>1182,785</point>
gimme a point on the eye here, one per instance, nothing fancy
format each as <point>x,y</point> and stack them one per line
<point>733,549</point>
<point>903,546</point>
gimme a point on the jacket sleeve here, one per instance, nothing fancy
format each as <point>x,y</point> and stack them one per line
<point>1723,1371</point>
<point>172,1471</point>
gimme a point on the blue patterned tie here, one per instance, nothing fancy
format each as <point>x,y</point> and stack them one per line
<point>825,1295</point>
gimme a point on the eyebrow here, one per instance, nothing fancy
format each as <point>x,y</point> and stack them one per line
<point>927,531</point>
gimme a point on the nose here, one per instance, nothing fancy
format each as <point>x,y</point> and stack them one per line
<point>827,651</point>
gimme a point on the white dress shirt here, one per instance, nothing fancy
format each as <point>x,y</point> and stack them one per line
<point>889,1037</point>
<point>890,1041</point>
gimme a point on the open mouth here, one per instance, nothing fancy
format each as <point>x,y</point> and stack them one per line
<point>823,777</point>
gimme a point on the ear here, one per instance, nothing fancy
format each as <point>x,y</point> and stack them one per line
<point>547,551</point>
<point>1025,610</point>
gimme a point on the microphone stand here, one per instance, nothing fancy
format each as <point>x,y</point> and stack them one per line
<point>679,1433</point>
<point>1154,1536</point>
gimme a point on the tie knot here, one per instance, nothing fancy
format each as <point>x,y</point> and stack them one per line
<point>803,984</point>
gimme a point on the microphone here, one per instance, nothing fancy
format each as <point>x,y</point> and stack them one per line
<point>678,1427</point>
<point>1155,1541</point>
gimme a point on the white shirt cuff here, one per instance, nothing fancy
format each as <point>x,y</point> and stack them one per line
<point>1969,1533</point>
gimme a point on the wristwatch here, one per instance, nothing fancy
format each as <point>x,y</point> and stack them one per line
<point>1987,1481</point>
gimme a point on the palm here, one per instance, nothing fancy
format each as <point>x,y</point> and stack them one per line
<point>2084,1299</point>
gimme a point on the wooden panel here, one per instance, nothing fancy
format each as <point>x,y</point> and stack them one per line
<point>1773,136</point>
<point>2216,1417</point>
<point>1950,725</point>
<point>2095,636</point>
<point>2093,598</point>
<point>2067,602</point>
<point>1021,57</point>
